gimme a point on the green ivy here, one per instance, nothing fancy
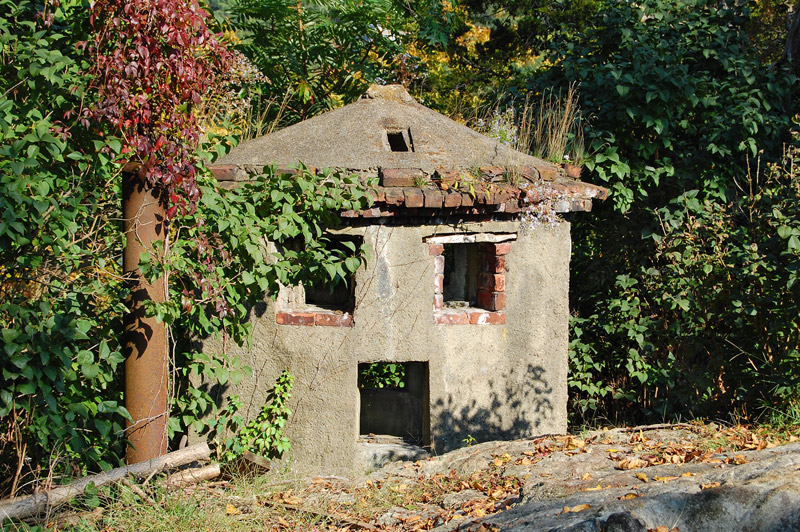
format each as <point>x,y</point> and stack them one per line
<point>61,287</point>
<point>263,435</point>
<point>219,268</point>
<point>60,244</point>
<point>382,375</point>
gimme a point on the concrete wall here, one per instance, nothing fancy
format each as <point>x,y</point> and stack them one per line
<point>488,381</point>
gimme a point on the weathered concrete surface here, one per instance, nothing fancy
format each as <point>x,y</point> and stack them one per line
<point>374,453</point>
<point>485,381</point>
<point>354,137</point>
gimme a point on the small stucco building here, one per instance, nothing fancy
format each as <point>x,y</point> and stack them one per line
<point>474,310</point>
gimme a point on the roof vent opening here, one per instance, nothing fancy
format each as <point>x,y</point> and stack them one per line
<point>398,141</point>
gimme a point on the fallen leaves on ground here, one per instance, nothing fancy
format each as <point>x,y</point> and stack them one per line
<point>574,509</point>
<point>415,500</point>
<point>412,501</point>
<point>231,510</point>
<point>647,452</point>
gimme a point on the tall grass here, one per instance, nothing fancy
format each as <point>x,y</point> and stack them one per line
<point>551,128</point>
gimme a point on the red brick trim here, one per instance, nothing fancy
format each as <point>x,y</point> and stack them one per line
<point>320,319</point>
<point>469,317</point>
<point>451,318</point>
<point>491,287</point>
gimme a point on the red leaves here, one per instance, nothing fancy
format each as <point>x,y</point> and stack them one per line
<point>151,57</point>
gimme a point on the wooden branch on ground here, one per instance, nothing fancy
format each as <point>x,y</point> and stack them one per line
<point>193,476</point>
<point>137,490</point>
<point>20,507</point>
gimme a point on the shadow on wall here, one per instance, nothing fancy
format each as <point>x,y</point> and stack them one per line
<point>513,411</point>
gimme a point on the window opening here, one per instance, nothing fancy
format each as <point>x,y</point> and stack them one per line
<point>398,142</point>
<point>395,400</point>
<point>337,294</point>
<point>460,283</point>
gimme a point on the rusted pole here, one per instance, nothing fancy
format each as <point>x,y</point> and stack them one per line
<point>144,341</point>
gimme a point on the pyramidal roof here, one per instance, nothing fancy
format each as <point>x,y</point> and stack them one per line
<point>385,128</point>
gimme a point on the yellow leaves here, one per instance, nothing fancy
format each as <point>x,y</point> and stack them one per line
<point>575,509</point>
<point>232,510</point>
<point>398,488</point>
<point>500,460</point>
<point>628,496</point>
<point>642,477</point>
<point>665,479</point>
<point>663,528</point>
<point>710,485</point>
<point>597,488</point>
<point>499,494</point>
<point>474,36</point>
<point>632,463</point>
<point>575,443</point>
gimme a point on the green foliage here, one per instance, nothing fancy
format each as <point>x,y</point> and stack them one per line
<point>382,375</point>
<point>710,327</point>
<point>61,243</point>
<point>677,97</point>
<point>263,435</point>
<point>318,54</point>
<point>60,285</point>
<point>220,268</point>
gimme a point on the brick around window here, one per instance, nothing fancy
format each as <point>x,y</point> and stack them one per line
<point>469,317</point>
<point>320,319</point>
<point>491,288</point>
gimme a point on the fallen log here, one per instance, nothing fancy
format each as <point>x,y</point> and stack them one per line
<point>20,507</point>
<point>193,476</point>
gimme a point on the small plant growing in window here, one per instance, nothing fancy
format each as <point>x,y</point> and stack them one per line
<point>382,375</point>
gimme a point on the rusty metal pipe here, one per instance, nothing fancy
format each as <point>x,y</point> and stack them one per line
<point>144,341</point>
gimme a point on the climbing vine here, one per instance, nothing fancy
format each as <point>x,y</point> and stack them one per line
<point>153,61</point>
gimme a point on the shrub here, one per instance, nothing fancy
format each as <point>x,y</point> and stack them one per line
<point>710,327</point>
<point>675,95</point>
<point>60,286</point>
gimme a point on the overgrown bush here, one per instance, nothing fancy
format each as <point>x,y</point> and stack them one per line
<point>675,94</point>
<point>676,103</point>
<point>61,285</point>
<point>316,55</point>
<point>60,242</point>
<point>710,327</point>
